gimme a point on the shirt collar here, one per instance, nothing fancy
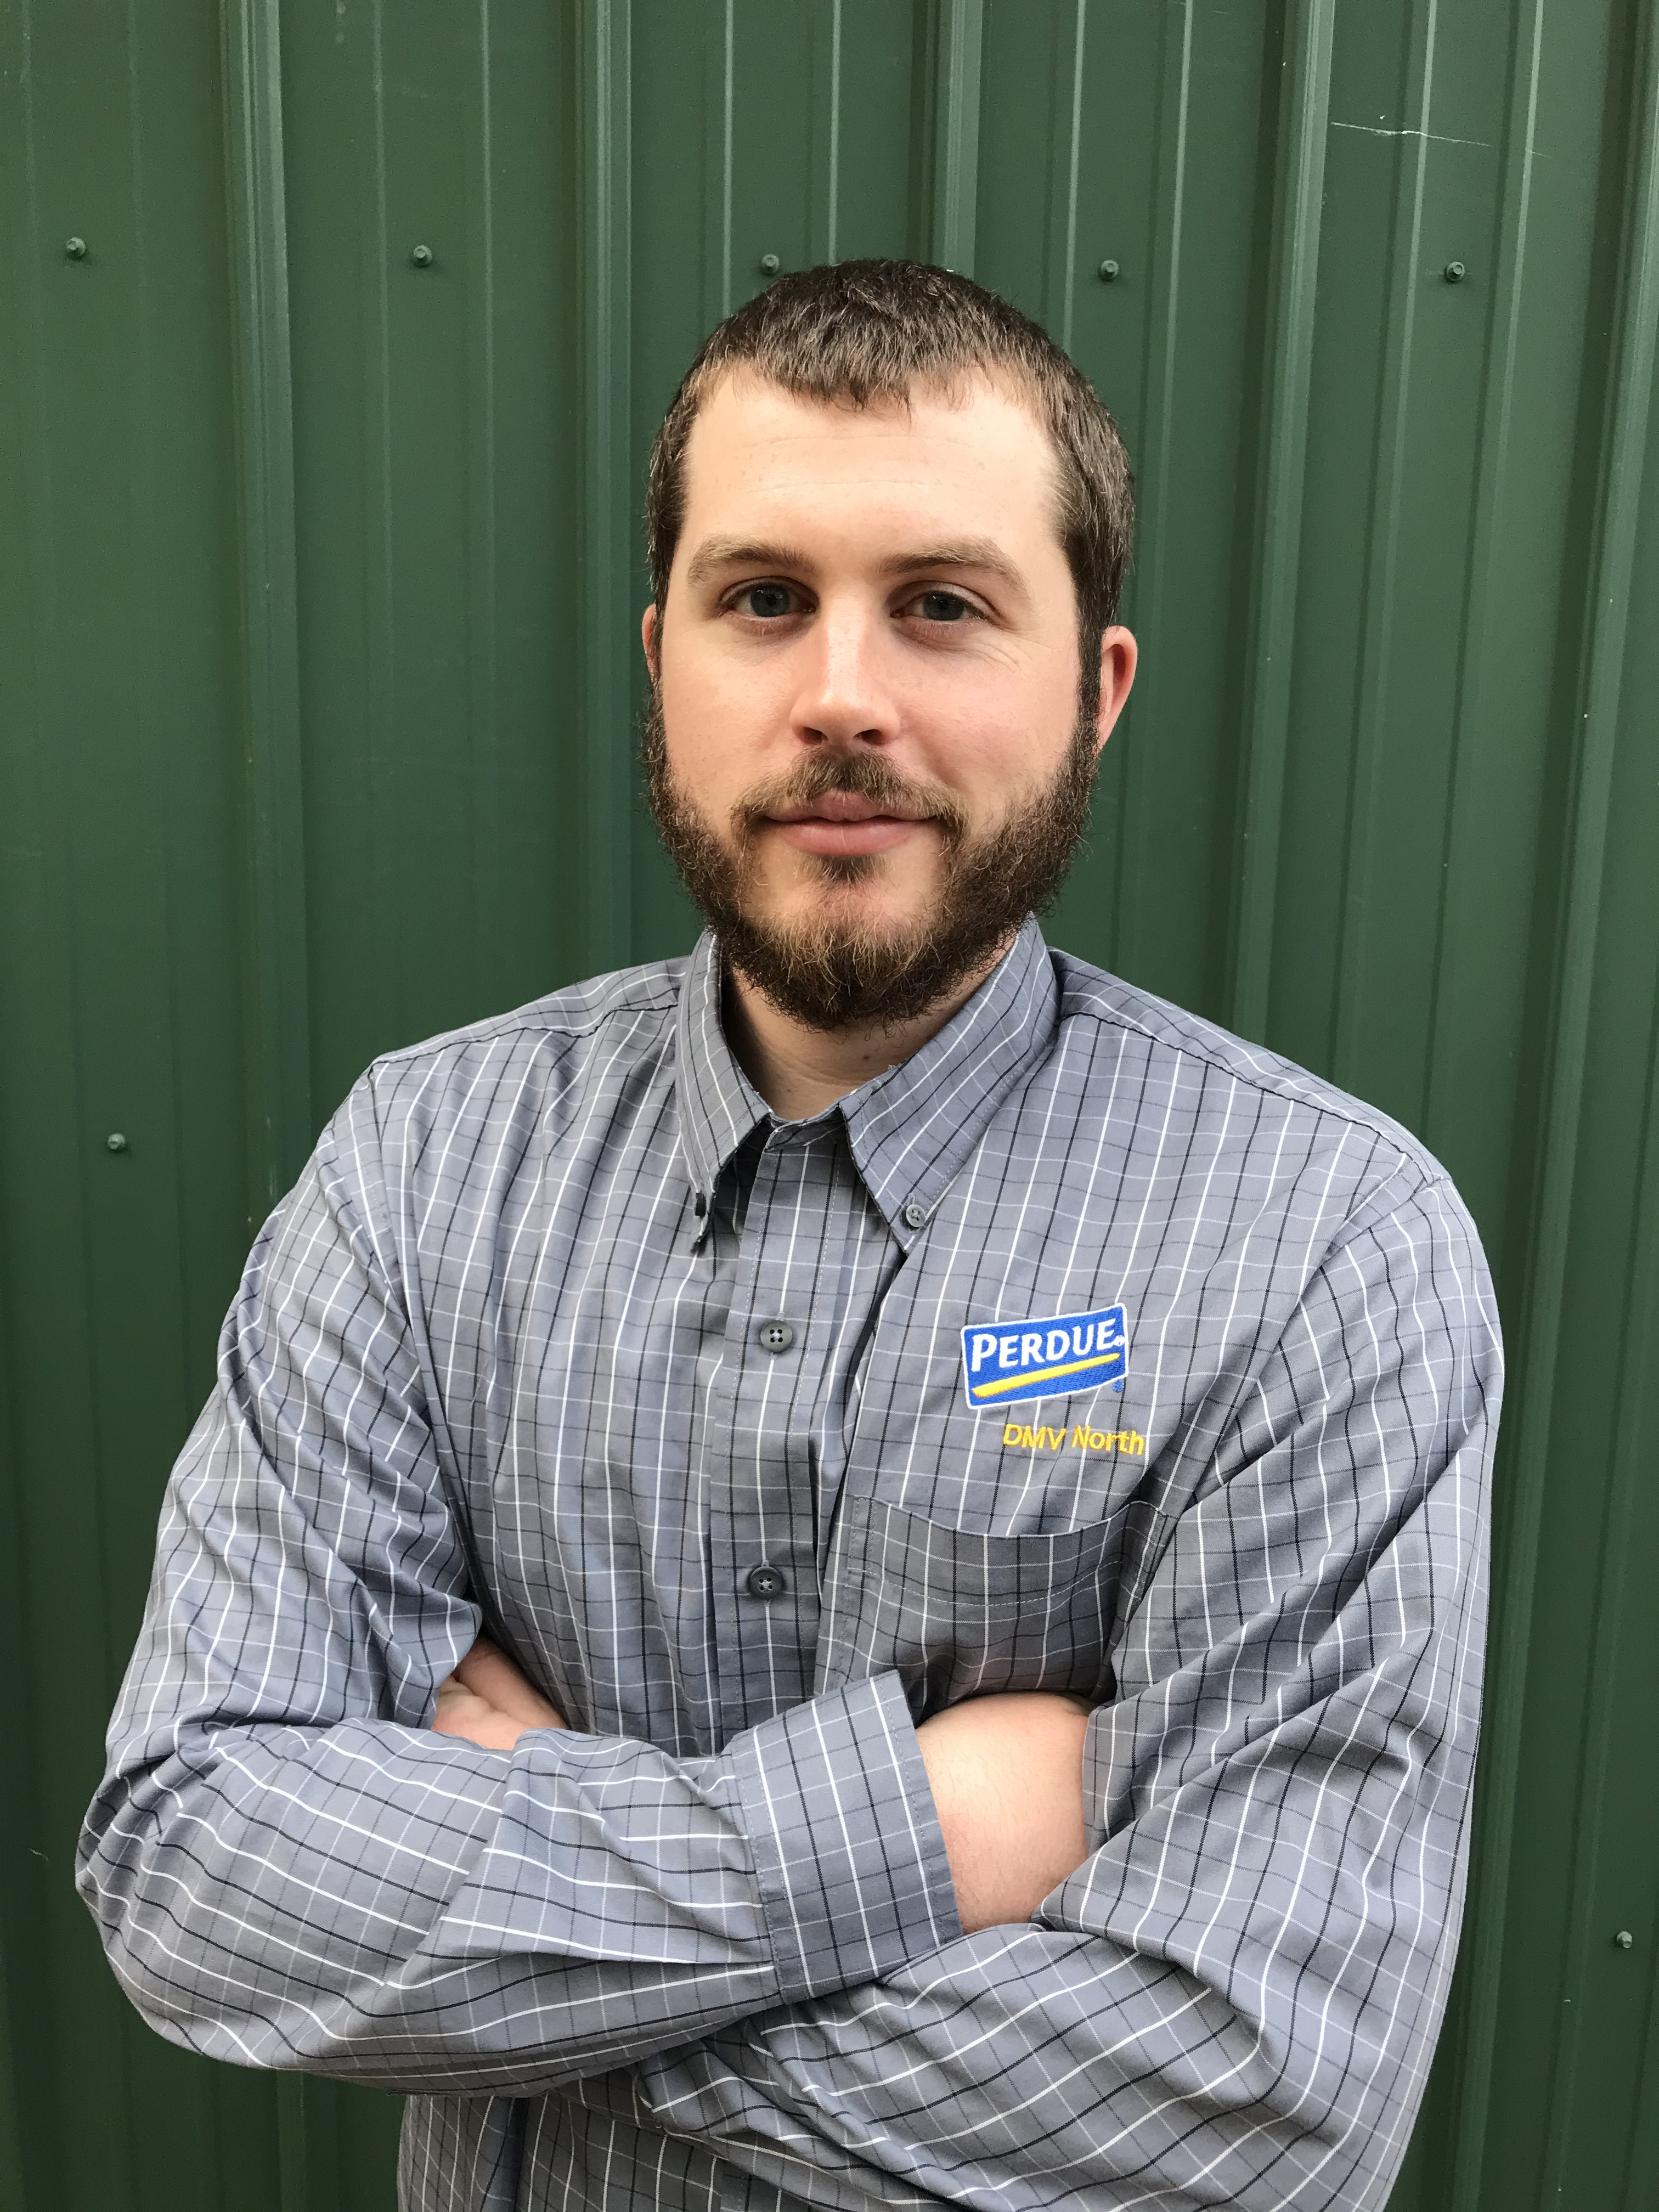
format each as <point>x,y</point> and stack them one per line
<point>718,1104</point>
<point>910,1130</point>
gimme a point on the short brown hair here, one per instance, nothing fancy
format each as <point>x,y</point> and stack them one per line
<point>863,331</point>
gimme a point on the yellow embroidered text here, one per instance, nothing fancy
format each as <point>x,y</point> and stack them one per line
<point>1015,1436</point>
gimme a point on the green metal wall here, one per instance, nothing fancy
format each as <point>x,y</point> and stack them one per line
<point>318,584</point>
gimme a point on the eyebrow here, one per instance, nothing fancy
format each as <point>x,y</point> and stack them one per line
<point>964,553</point>
<point>716,553</point>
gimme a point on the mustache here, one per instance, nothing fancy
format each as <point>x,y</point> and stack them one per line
<point>865,776</point>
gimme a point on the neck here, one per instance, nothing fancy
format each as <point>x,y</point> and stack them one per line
<point>799,1071</point>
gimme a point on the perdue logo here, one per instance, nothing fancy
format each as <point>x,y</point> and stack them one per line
<point>1003,1361</point>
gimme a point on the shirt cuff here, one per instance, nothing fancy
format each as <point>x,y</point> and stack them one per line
<point>848,1852</point>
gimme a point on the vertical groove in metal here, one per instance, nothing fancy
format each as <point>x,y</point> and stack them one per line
<point>383,862</point>
<point>602,156</point>
<point>11,2140</point>
<point>1606,619</point>
<point>308,2145</point>
<point>1133,908</point>
<point>825,185</point>
<point>42,2087</point>
<point>1383,546</point>
<point>1062,157</point>
<point>1292,279</point>
<point>483,672</point>
<point>1487,552</point>
<point>718,126</point>
<point>291,2142</point>
<point>1642,2142</point>
<point>955,211</point>
<point>1629,1467</point>
<point>280,1104</point>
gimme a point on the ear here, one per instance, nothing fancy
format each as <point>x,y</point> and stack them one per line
<point>1119,655</point>
<point>650,639</point>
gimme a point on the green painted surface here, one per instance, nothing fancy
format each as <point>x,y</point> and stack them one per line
<point>318,584</point>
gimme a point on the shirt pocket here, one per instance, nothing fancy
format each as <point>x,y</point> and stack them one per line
<point>959,1614</point>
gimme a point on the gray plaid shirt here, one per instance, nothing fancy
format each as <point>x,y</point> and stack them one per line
<point>1089,1350</point>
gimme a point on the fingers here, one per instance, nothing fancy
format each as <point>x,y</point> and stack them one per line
<point>490,1674</point>
<point>461,1712</point>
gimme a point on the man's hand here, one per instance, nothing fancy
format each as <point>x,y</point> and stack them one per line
<point>1007,1778</point>
<point>488,1701</point>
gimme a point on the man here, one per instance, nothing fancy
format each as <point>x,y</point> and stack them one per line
<point>972,1480</point>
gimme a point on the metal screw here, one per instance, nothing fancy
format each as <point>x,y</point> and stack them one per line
<point>1455,272</point>
<point>769,265</point>
<point>422,257</point>
<point>1108,273</point>
<point>75,248</point>
<point>115,1142</point>
<point>1624,1939</point>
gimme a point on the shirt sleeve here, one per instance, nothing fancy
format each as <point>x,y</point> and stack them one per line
<point>1234,2001</point>
<point>289,1867</point>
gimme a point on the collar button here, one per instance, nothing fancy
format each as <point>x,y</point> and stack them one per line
<point>914,1215</point>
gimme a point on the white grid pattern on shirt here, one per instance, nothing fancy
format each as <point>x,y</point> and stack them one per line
<point>490,1362</point>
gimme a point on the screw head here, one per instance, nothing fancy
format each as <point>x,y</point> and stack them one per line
<point>422,257</point>
<point>1455,272</point>
<point>115,1142</point>
<point>75,248</point>
<point>769,265</point>
<point>1624,1939</point>
<point>1108,273</point>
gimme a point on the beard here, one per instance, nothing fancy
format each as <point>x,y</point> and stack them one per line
<point>832,974</point>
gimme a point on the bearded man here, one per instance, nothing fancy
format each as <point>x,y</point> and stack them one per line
<point>848,1570</point>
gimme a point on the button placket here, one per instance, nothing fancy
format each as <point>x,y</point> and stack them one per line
<point>761,1562</point>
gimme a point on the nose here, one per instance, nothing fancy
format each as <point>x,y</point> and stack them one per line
<point>844,698</point>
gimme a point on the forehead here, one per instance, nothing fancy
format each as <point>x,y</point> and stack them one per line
<point>973,457</point>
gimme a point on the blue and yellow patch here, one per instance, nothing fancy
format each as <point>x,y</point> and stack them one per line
<point>1004,1361</point>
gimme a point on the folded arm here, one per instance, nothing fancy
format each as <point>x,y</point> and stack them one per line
<point>1005,1774</point>
<point>291,1866</point>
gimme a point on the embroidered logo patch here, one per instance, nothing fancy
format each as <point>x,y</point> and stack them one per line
<point>1004,1361</point>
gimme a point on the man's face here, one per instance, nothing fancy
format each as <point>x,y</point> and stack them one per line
<point>865,751</point>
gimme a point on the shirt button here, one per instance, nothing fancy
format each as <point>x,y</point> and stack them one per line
<point>765,1582</point>
<point>774,1336</point>
<point>914,1215</point>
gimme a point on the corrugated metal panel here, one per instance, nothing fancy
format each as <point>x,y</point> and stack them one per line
<point>317,620</point>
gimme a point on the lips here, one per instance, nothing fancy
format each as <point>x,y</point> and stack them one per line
<point>842,824</point>
<point>880,833</point>
<point>841,807</point>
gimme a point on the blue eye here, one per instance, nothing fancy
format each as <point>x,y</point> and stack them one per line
<point>942,606</point>
<point>766,601</point>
